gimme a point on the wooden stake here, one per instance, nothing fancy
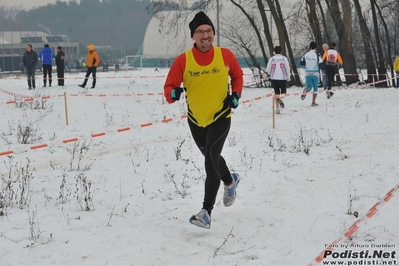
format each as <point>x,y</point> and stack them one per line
<point>66,109</point>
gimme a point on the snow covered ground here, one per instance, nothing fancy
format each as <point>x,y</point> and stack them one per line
<point>122,193</point>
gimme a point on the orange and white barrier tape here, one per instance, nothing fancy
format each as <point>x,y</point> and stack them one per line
<point>30,98</point>
<point>359,86</point>
<point>25,98</point>
<point>40,146</point>
<point>356,225</point>
<point>83,77</point>
<point>15,94</point>
<point>92,136</point>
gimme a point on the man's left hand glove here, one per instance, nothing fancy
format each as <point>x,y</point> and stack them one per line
<point>232,100</point>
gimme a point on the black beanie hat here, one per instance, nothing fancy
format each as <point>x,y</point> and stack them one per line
<point>333,45</point>
<point>59,47</point>
<point>199,19</point>
<point>46,45</point>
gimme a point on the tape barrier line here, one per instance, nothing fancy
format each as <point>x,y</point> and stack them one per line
<point>262,75</point>
<point>261,78</point>
<point>25,98</point>
<point>16,95</point>
<point>92,136</point>
<point>101,134</point>
<point>31,99</point>
<point>97,77</point>
<point>356,225</point>
<point>359,86</point>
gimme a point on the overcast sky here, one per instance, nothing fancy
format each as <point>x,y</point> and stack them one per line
<point>27,4</point>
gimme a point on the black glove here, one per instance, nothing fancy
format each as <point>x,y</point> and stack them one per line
<point>232,100</point>
<point>175,93</point>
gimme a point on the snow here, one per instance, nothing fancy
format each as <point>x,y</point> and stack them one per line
<point>290,203</point>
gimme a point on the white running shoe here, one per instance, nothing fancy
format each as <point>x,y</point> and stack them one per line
<point>202,219</point>
<point>230,193</point>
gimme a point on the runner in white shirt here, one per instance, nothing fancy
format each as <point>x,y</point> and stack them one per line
<point>278,68</point>
<point>312,62</point>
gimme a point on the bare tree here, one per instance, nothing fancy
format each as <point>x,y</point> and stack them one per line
<point>327,34</point>
<point>313,20</point>
<point>381,61</point>
<point>255,28</point>
<point>275,9</point>
<point>245,43</point>
<point>366,37</point>
<point>342,18</point>
<point>266,27</point>
<point>388,42</point>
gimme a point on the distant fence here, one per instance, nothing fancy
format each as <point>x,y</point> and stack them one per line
<point>10,62</point>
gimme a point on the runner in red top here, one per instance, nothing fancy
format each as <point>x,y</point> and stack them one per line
<point>203,73</point>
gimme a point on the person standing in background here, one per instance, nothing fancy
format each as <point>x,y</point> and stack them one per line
<point>46,56</point>
<point>330,58</point>
<point>323,69</point>
<point>204,71</point>
<point>92,62</point>
<point>278,69</point>
<point>30,61</point>
<point>396,69</point>
<point>60,63</point>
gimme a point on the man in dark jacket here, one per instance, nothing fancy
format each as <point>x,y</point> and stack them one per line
<point>30,62</point>
<point>46,56</point>
<point>60,62</point>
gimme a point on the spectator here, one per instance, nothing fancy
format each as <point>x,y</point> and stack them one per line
<point>278,68</point>
<point>60,63</point>
<point>92,62</point>
<point>312,62</point>
<point>46,57</point>
<point>30,60</point>
<point>116,67</point>
<point>204,70</point>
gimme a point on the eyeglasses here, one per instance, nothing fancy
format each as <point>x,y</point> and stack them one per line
<point>202,32</point>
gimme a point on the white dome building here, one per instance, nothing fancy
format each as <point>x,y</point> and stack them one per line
<point>165,39</point>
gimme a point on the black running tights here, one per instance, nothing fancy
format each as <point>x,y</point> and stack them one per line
<point>210,141</point>
<point>330,72</point>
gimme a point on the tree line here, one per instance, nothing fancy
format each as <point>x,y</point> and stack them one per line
<point>365,31</point>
